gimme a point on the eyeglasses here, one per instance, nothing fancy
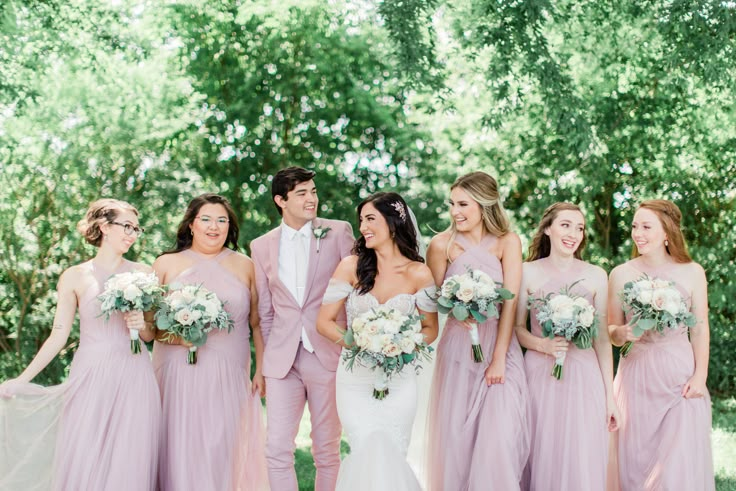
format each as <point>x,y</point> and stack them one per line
<point>129,229</point>
<point>205,219</point>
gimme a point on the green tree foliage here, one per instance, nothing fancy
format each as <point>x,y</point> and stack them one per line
<point>86,110</point>
<point>605,104</point>
<point>295,83</point>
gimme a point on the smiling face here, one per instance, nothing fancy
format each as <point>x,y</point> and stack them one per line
<point>566,232</point>
<point>647,231</point>
<point>210,228</point>
<point>464,210</point>
<point>300,205</point>
<point>373,227</point>
<point>114,233</point>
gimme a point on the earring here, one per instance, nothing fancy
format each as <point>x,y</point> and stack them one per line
<point>191,232</point>
<point>666,242</point>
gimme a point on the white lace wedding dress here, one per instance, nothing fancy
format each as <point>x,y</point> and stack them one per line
<point>378,431</point>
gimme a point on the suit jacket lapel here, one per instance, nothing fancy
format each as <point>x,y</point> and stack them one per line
<point>314,257</point>
<point>273,256</point>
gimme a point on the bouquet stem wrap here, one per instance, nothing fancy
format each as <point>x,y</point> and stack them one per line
<point>192,355</point>
<point>135,343</point>
<point>475,341</point>
<point>380,385</point>
<point>626,348</point>
<point>559,363</point>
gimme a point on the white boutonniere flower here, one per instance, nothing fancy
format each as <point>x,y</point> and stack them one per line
<point>320,233</point>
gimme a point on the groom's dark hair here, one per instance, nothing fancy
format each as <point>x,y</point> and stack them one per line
<point>286,180</point>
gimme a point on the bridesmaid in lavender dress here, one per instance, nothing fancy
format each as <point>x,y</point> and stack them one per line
<point>664,440</point>
<point>569,418</point>
<point>478,431</point>
<point>213,434</point>
<point>104,420</point>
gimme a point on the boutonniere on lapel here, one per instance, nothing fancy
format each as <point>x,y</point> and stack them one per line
<point>320,233</point>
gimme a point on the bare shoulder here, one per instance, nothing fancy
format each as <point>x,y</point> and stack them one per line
<point>596,273</point>
<point>439,242</point>
<point>241,260</point>
<point>347,269</point>
<point>621,274</point>
<point>420,274</point>
<point>166,261</point>
<point>74,274</point>
<point>693,271</point>
<point>510,240</point>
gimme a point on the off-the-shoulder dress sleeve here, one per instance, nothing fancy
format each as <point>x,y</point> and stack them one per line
<point>426,298</point>
<point>336,290</point>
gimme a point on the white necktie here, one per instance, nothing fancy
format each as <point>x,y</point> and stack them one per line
<point>301,263</point>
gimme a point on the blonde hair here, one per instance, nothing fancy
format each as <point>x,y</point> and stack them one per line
<point>670,217</point>
<point>541,246</point>
<point>483,189</point>
<point>100,212</point>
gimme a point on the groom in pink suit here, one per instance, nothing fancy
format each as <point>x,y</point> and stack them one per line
<point>294,263</point>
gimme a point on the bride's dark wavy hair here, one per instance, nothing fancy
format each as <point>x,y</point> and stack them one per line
<point>401,228</point>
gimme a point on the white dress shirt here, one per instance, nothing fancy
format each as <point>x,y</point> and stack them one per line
<point>294,265</point>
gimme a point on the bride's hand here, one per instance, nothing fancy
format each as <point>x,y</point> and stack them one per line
<point>496,371</point>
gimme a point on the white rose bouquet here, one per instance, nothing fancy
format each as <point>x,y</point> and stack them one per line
<point>385,341</point>
<point>191,312</point>
<point>475,294</point>
<point>126,292</point>
<point>653,304</point>
<point>569,316</point>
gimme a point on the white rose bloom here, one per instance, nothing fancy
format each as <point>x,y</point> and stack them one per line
<point>659,298</point>
<point>484,290</point>
<point>363,341</point>
<point>371,329</point>
<point>407,345</point>
<point>417,327</point>
<point>211,311</point>
<point>483,277</point>
<point>196,315</point>
<point>660,283</point>
<point>358,324</point>
<point>563,315</point>
<point>131,293</point>
<point>418,338</point>
<point>187,295</point>
<point>465,293</point>
<point>582,302</point>
<point>391,349</point>
<point>392,327</point>
<point>559,302</point>
<point>673,302</point>
<point>447,287</point>
<point>587,317</point>
<point>645,296</point>
<point>184,317</point>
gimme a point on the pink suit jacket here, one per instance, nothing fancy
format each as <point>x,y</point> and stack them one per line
<point>281,316</point>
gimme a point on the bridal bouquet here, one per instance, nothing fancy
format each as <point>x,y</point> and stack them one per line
<point>386,341</point>
<point>126,292</point>
<point>653,304</point>
<point>190,312</point>
<point>475,294</point>
<point>569,316</point>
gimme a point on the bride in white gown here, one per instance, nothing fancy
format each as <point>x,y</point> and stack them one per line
<point>385,270</point>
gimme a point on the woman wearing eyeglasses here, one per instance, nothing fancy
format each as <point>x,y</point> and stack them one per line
<point>212,435</point>
<point>104,421</point>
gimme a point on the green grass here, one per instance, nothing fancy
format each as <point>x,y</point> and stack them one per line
<point>724,442</point>
<point>723,439</point>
